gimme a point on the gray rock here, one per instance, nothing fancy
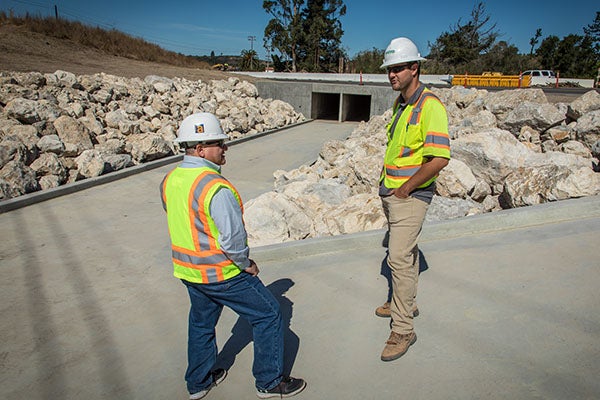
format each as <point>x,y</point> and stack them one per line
<point>90,163</point>
<point>538,116</point>
<point>30,111</point>
<point>51,144</point>
<point>589,101</point>
<point>73,132</point>
<point>17,179</point>
<point>50,164</point>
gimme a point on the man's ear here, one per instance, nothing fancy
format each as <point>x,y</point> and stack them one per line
<point>414,69</point>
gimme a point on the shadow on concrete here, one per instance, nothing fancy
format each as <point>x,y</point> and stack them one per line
<point>48,353</point>
<point>103,348</point>
<point>241,333</point>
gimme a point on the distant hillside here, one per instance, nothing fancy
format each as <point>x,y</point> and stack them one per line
<point>49,44</point>
<point>112,42</point>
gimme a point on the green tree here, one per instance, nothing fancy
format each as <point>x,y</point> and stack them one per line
<point>466,42</point>
<point>546,54</point>
<point>283,32</point>
<point>502,57</point>
<point>309,36</point>
<point>367,61</point>
<point>250,61</point>
<point>535,40</point>
<point>593,31</point>
<point>572,56</point>
<point>322,34</point>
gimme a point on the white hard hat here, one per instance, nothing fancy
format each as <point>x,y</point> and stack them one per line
<point>200,127</point>
<point>400,50</point>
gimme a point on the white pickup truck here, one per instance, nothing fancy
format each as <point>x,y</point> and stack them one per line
<point>540,77</point>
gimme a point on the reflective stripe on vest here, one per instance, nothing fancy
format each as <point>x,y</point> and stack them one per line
<point>186,195</point>
<point>401,161</point>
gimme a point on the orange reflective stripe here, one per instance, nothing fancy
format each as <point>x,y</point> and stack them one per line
<point>163,191</point>
<point>406,152</point>
<point>415,114</point>
<point>191,199</point>
<point>404,171</point>
<point>233,189</point>
<point>204,217</point>
<point>204,268</point>
<point>196,253</point>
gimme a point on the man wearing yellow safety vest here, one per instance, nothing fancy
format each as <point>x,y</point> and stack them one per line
<point>418,147</point>
<point>211,257</point>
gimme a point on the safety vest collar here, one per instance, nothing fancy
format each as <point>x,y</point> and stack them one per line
<point>412,100</point>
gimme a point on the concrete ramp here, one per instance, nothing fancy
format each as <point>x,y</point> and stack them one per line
<point>90,308</point>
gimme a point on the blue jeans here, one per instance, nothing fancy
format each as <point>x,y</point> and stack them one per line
<point>249,298</point>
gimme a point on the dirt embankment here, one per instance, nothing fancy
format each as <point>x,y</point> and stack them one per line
<point>25,51</point>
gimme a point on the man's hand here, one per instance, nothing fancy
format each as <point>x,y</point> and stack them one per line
<point>252,269</point>
<point>402,192</point>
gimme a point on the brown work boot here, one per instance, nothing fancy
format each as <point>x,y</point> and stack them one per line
<point>397,345</point>
<point>383,311</point>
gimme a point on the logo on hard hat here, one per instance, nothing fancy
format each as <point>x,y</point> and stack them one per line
<point>199,128</point>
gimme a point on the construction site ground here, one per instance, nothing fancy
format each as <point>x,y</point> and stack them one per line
<point>508,301</point>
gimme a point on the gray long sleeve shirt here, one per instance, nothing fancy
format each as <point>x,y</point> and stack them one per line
<point>227,214</point>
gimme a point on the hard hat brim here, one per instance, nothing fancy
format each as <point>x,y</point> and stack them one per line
<point>207,138</point>
<point>385,65</point>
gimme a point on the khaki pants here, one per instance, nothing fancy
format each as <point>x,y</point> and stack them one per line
<point>405,220</point>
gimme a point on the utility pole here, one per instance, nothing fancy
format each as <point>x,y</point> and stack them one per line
<point>269,59</point>
<point>251,39</point>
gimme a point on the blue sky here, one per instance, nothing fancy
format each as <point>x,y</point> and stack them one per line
<point>199,27</point>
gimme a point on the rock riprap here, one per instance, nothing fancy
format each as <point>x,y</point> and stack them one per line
<point>60,128</point>
<point>510,149</point>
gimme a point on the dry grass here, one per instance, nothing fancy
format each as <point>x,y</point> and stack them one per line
<point>111,42</point>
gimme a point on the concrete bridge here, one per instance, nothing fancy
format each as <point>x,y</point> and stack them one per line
<point>343,97</point>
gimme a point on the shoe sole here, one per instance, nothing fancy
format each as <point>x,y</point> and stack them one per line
<point>397,356</point>
<point>261,395</point>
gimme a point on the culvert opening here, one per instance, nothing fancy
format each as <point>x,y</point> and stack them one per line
<point>353,107</point>
<point>325,106</point>
<point>356,107</point>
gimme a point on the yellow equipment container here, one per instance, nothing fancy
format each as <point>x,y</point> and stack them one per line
<point>491,80</point>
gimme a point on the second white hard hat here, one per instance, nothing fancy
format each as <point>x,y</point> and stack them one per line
<point>200,127</point>
<point>400,50</point>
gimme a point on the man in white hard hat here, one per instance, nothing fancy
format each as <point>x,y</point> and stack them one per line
<point>211,257</point>
<point>418,147</point>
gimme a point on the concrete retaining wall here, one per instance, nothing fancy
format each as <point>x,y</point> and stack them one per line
<point>333,101</point>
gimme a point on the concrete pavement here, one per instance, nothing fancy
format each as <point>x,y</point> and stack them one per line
<point>90,309</point>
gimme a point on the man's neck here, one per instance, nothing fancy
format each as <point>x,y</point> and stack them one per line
<point>410,90</point>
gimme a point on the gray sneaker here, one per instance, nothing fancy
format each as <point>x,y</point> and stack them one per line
<point>288,387</point>
<point>218,376</point>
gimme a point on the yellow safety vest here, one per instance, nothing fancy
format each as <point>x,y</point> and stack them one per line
<point>419,131</point>
<point>197,255</point>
